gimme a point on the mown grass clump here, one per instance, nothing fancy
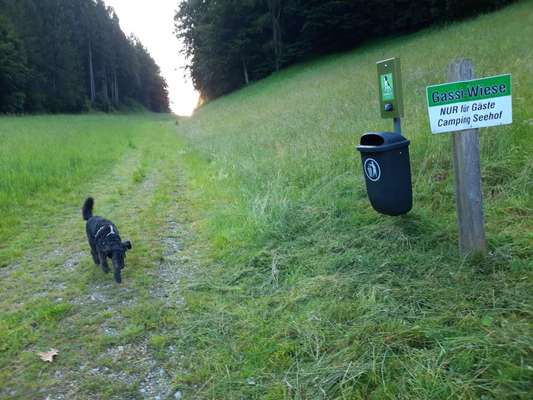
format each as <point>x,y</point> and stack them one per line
<point>310,293</point>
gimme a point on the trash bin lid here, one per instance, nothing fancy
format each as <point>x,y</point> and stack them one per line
<point>377,142</point>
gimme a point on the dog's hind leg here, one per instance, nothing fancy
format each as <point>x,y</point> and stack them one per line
<point>94,253</point>
<point>116,273</point>
<point>95,257</point>
<point>103,263</point>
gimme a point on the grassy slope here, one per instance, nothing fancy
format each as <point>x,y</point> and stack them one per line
<point>310,293</point>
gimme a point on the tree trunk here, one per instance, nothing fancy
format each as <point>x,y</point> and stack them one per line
<point>112,90</point>
<point>275,13</point>
<point>111,87</point>
<point>117,99</point>
<point>105,88</point>
<point>91,73</point>
<point>245,71</point>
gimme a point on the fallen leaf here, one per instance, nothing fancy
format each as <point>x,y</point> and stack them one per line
<point>48,355</point>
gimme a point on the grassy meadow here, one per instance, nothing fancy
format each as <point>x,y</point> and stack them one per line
<point>259,269</point>
<point>313,295</point>
<point>49,163</point>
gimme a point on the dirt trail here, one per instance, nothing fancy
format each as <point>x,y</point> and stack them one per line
<point>122,364</point>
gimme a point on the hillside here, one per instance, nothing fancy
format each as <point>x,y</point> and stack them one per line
<point>311,294</point>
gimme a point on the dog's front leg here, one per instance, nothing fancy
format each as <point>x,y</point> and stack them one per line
<point>103,263</point>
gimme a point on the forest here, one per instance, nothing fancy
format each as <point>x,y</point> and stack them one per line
<point>234,42</point>
<point>70,56</point>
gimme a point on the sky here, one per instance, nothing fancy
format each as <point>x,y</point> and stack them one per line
<point>152,21</point>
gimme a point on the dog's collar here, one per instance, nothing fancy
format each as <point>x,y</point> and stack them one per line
<point>111,231</point>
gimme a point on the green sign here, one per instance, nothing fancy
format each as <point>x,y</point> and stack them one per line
<point>387,86</point>
<point>477,89</point>
<point>390,88</point>
<point>478,103</point>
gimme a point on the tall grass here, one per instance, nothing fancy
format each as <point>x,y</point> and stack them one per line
<point>311,294</point>
<point>298,130</point>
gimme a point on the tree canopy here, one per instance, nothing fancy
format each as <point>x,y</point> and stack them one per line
<point>71,56</point>
<point>232,42</point>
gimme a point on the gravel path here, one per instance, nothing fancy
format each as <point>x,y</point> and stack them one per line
<point>59,269</point>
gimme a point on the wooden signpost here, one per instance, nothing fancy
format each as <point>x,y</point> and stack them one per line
<point>462,106</point>
<point>467,168</point>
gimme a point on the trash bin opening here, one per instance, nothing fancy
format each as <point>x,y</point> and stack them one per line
<point>372,140</point>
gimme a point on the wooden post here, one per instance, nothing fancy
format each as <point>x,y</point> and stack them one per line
<point>468,193</point>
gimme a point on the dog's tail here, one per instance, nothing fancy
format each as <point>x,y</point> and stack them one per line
<point>87,210</point>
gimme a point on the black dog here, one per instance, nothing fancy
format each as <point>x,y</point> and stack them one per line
<point>104,240</point>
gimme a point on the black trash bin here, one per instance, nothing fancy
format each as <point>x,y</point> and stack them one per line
<point>387,172</point>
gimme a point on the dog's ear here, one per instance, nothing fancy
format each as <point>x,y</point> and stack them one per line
<point>127,244</point>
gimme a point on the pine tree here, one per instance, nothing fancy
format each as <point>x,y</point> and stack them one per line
<point>13,70</point>
<point>68,55</point>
